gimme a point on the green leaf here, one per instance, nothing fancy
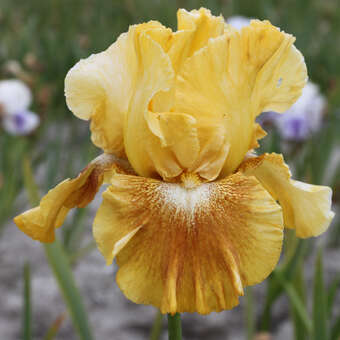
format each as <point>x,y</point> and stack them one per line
<point>319,302</point>
<point>296,301</point>
<point>30,185</point>
<point>335,332</point>
<point>53,330</point>
<point>299,285</point>
<point>250,315</point>
<point>27,306</point>
<point>275,288</point>
<point>60,266</point>
<point>59,263</point>
<point>332,290</point>
<point>157,326</point>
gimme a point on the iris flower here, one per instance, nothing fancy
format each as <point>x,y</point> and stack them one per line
<point>191,215</point>
<point>15,99</point>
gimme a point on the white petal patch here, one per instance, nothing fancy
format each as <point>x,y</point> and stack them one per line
<point>183,198</point>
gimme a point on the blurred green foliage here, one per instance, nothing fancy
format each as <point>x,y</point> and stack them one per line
<point>60,32</point>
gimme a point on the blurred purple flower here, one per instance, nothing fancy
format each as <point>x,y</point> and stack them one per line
<point>15,98</point>
<point>20,123</point>
<point>303,119</point>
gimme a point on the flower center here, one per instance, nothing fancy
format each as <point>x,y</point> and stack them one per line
<point>190,180</point>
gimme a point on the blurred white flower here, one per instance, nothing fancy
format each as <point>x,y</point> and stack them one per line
<point>237,21</point>
<point>15,98</point>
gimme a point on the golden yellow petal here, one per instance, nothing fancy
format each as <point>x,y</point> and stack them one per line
<point>282,77</point>
<point>195,28</point>
<point>203,26</point>
<point>100,87</point>
<point>306,208</point>
<point>235,77</point>
<point>177,132</point>
<point>40,223</point>
<point>222,110</point>
<point>188,250</point>
<point>258,133</point>
<point>142,143</point>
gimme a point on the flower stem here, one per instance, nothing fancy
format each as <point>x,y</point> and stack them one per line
<point>175,327</point>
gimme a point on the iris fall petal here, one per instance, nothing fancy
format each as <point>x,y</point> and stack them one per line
<point>306,208</point>
<point>40,222</point>
<point>186,250</point>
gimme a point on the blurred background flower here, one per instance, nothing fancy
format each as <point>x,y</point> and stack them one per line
<point>238,21</point>
<point>15,99</point>
<point>303,119</point>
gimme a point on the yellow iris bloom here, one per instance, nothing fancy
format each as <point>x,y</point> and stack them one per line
<point>191,216</point>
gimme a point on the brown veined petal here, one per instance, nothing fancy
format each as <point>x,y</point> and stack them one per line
<point>40,223</point>
<point>230,81</point>
<point>188,250</point>
<point>306,208</point>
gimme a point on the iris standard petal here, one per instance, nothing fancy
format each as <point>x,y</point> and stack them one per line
<point>203,26</point>
<point>100,88</point>
<point>306,208</point>
<point>231,80</point>
<point>142,143</point>
<point>188,250</point>
<point>40,223</point>
<point>151,152</point>
<point>195,28</point>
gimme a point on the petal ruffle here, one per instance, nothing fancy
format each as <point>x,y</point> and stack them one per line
<point>234,78</point>
<point>281,68</point>
<point>195,28</point>
<point>258,133</point>
<point>100,87</point>
<point>150,119</point>
<point>143,145</point>
<point>306,208</point>
<point>40,223</point>
<point>188,250</point>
